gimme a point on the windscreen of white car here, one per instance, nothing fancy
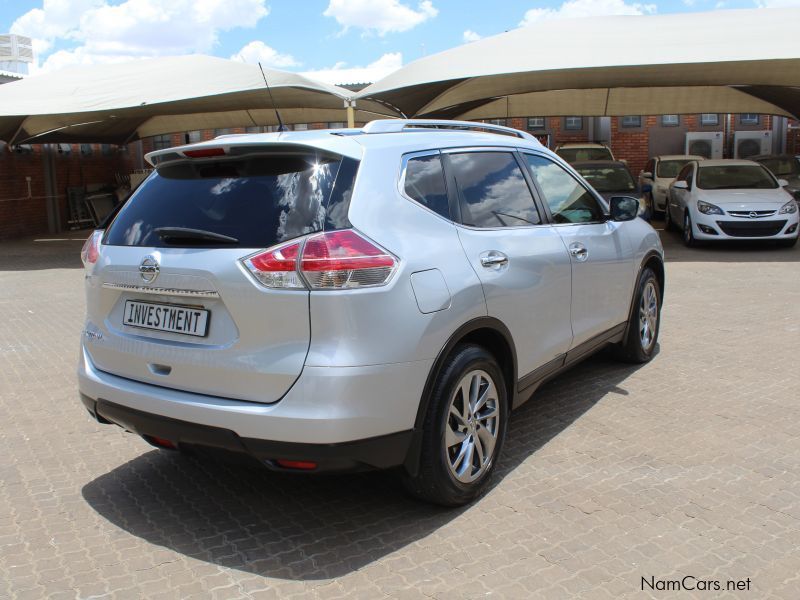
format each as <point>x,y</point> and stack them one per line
<point>608,178</point>
<point>733,177</point>
<point>572,155</point>
<point>669,169</point>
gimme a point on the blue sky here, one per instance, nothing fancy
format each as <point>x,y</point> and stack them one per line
<point>339,41</point>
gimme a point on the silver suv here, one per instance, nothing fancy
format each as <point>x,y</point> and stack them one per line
<point>345,299</point>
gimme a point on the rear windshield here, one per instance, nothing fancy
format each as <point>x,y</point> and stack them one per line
<point>670,168</point>
<point>733,177</point>
<point>572,155</point>
<point>253,202</point>
<point>608,178</point>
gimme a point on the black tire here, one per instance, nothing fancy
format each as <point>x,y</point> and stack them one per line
<point>435,481</point>
<point>633,349</point>
<point>668,224</point>
<point>688,232</point>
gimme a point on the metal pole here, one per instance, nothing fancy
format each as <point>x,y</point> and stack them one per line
<point>350,106</point>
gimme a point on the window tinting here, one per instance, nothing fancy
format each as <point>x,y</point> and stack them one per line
<point>709,119</point>
<point>424,182</point>
<point>568,200</point>
<point>259,200</point>
<point>670,168</point>
<point>492,190</point>
<point>782,166</point>
<point>607,178</point>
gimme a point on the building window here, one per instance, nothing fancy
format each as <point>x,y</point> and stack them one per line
<point>535,122</point>
<point>225,131</point>
<point>86,149</point>
<point>497,122</point>
<point>161,141</point>
<point>301,126</point>
<point>631,121</point>
<point>337,125</point>
<point>709,119</point>
<point>670,120</point>
<point>253,129</point>
<point>105,149</point>
<point>748,119</point>
<point>573,123</point>
<point>192,137</point>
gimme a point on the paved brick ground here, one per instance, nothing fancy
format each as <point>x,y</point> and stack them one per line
<point>687,466</point>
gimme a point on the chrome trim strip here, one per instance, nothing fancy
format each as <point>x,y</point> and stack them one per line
<point>139,289</point>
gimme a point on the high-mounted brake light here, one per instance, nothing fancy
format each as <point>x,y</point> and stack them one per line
<point>90,250</point>
<point>204,152</point>
<point>333,260</point>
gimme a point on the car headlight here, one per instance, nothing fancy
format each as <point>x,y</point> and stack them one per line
<point>789,208</point>
<point>709,209</point>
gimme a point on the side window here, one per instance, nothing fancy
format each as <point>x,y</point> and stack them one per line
<point>684,173</point>
<point>492,190</point>
<point>568,200</point>
<point>650,167</point>
<point>424,182</point>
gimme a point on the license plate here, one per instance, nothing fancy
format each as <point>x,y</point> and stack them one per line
<point>166,317</point>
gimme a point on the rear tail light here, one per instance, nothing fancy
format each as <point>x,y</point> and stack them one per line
<point>277,267</point>
<point>301,465</point>
<point>90,249</point>
<point>334,260</point>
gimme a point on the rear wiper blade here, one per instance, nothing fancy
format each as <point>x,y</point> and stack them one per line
<point>201,235</point>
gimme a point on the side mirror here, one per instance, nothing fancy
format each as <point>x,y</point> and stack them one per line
<point>783,182</point>
<point>624,208</point>
<point>680,185</point>
<point>647,175</point>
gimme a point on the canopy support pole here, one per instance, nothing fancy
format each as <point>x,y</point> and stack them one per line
<point>350,107</point>
<point>16,133</point>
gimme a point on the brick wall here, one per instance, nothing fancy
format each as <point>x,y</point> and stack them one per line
<point>23,213</point>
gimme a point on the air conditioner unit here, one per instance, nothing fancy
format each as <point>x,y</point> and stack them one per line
<point>704,143</point>
<point>751,143</point>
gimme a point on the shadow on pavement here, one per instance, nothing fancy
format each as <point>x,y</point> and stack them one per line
<point>56,251</point>
<point>300,527</point>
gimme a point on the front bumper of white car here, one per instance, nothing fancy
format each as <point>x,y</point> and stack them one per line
<point>738,225</point>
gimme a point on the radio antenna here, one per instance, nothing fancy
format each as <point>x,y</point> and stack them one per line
<point>281,126</point>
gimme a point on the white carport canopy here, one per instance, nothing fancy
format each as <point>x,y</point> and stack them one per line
<point>721,61</point>
<point>119,103</point>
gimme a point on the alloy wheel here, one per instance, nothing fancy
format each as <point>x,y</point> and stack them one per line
<point>648,315</point>
<point>473,423</point>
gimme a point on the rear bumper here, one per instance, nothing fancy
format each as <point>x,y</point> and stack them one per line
<point>380,452</point>
<point>327,406</point>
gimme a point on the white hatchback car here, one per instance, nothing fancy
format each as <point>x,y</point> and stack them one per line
<point>731,199</point>
<point>658,173</point>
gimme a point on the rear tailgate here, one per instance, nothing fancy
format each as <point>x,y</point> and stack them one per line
<point>180,311</point>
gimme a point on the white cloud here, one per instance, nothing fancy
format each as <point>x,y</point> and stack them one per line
<point>379,16</point>
<point>586,8</point>
<point>471,36</point>
<point>258,52</point>
<point>106,32</point>
<point>777,3</point>
<point>341,74</point>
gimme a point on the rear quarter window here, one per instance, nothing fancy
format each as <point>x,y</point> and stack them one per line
<point>424,182</point>
<point>259,200</point>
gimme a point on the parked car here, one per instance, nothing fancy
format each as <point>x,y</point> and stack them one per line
<point>731,199</point>
<point>374,298</point>
<point>784,166</point>
<point>612,178</point>
<point>573,152</point>
<point>658,173</point>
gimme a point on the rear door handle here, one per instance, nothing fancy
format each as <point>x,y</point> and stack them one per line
<point>493,258</point>
<point>578,251</point>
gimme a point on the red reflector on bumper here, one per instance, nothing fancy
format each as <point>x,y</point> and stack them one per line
<point>304,465</point>
<point>157,441</point>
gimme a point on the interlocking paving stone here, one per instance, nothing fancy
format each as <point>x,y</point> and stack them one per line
<point>689,465</point>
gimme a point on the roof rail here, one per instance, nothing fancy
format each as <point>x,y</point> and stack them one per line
<point>400,125</point>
